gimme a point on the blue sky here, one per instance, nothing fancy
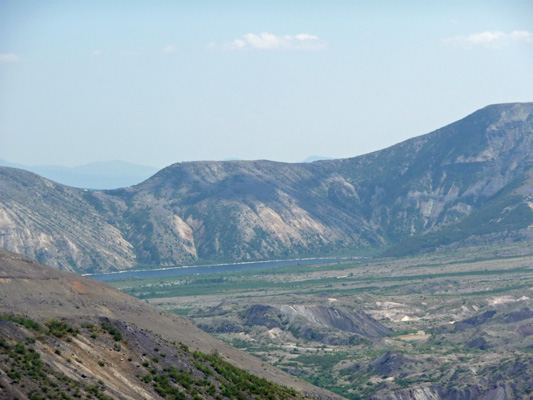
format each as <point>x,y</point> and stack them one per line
<point>158,82</point>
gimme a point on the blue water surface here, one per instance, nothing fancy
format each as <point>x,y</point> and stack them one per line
<point>207,269</point>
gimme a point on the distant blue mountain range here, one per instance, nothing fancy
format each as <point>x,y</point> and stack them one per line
<point>316,158</point>
<point>97,175</point>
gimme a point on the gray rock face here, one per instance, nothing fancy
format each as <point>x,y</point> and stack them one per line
<point>329,325</point>
<point>525,330</point>
<point>390,362</point>
<point>468,181</point>
<point>517,316</point>
<point>479,343</point>
<point>474,321</point>
<point>263,315</point>
<point>497,392</point>
<point>336,318</point>
<point>59,226</point>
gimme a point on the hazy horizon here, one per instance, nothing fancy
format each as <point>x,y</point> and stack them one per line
<point>163,82</point>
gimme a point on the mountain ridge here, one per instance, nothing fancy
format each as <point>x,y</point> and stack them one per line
<point>103,175</point>
<point>252,210</point>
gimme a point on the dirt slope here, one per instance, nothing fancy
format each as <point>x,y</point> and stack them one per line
<point>42,293</point>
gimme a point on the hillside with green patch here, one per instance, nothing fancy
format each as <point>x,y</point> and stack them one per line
<point>66,336</point>
<point>105,361</point>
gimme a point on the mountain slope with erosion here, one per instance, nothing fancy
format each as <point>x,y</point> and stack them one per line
<point>110,338</point>
<point>474,173</point>
<point>58,225</point>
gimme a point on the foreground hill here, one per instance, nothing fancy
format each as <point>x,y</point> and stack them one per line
<point>60,330</point>
<point>466,183</point>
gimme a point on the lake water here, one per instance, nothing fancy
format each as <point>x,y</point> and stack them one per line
<point>207,269</point>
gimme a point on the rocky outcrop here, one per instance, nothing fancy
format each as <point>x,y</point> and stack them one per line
<point>497,392</point>
<point>220,325</point>
<point>525,330</point>
<point>60,226</point>
<point>474,321</point>
<point>517,316</point>
<point>351,321</point>
<point>328,325</point>
<point>263,315</point>
<point>391,362</point>
<point>479,343</point>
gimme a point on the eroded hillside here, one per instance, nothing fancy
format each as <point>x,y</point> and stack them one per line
<point>416,194</point>
<point>95,340</point>
<point>115,361</point>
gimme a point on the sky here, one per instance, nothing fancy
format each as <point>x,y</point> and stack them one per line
<point>160,82</point>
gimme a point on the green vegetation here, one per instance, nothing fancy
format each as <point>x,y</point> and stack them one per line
<point>26,370</point>
<point>324,362</point>
<point>216,284</point>
<point>209,374</point>
<point>239,383</point>
<point>112,330</point>
<point>61,329</point>
<point>199,375</point>
<point>31,325</point>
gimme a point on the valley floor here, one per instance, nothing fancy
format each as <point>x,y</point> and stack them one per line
<point>455,325</point>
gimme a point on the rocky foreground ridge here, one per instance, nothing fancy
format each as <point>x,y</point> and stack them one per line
<point>466,183</point>
<point>65,335</point>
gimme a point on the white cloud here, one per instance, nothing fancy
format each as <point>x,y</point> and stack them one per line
<point>8,58</point>
<point>170,49</point>
<point>494,39</point>
<point>96,53</point>
<point>269,41</point>
<point>522,35</point>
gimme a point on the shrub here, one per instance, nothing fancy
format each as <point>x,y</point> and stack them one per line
<point>28,323</point>
<point>61,329</point>
<point>112,330</point>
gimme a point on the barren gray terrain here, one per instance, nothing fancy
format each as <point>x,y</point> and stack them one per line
<point>447,325</point>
